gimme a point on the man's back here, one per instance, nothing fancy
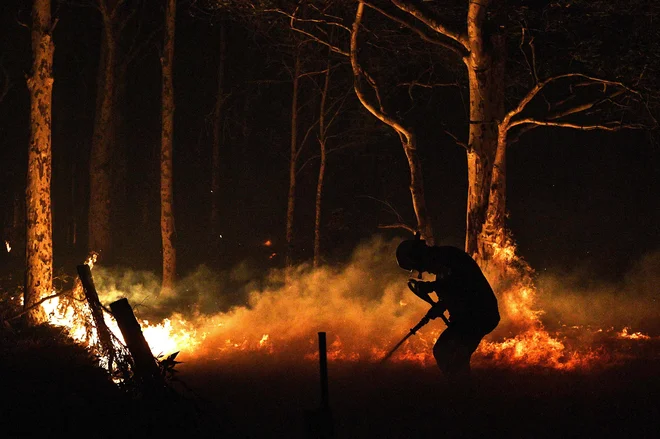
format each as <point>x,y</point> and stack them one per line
<point>462,286</point>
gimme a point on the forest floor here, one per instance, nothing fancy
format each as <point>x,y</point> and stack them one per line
<point>410,401</point>
<point>51,387</point>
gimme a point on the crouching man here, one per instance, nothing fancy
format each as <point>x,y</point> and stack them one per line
<point>462,290</point>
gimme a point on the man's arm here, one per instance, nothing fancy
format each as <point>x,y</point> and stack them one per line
<point>422,289</point>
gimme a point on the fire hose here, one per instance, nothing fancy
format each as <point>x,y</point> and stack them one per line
<point>429,315</point>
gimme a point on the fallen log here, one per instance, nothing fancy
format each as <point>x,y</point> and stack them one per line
<point>145,367</point>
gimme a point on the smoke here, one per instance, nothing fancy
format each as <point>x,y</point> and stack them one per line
<point>577,298</point>
<point>363,305</point>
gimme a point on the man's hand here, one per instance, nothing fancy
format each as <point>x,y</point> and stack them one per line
<point>437,310</point>
<point>420,287</point>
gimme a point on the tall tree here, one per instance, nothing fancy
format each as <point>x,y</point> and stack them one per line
<point>333,95</point>
<point>167,229</point>
<point>323,149</point>
<point>370,95</point>
<point>294,152</point>
<point>481,48</point>
<point>39,236</point>
<point>100,164</point>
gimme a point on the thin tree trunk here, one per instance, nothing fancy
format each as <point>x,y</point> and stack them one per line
<point>39,233</point>
<point>167,139</point>
<point>291,203</point>
<point>100,168</point>
<point>406,136</point>
<point>217,136</point>
<point>323,138</point>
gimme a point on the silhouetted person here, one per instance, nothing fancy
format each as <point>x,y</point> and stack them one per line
<point>462,290</point>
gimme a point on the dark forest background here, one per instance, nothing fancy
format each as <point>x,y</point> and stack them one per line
<point>587,199</point>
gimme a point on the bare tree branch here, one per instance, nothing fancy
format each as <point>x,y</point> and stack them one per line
<point>38,303</point>
<point>359,73</point>
<point>423,35</point>
<point>417,83</point>
<point>461,46</point>
<point>531,65</point>
<point>584,107</point>
<point>614,126</point>
<point>302,144</point>
<point>401,224</point>
<point>458,142</point>
<point>398,226</point>
<point>506,122</point>
<point>294,19</point>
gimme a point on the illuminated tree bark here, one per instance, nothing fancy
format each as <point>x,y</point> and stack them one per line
<point>167,139</point>
<point>100,168</point>
<point>483,52</point>
<point>217,135</point>
<point>485,66</point>
<point>481,48</point>
<point>494,233</point>
<point>39,239</point>
<point>483,56</point>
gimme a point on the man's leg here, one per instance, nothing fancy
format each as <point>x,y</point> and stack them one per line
<point>454,349</point>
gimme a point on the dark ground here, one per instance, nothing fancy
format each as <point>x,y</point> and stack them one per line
<point>50,387</point>
<point>408,401</point>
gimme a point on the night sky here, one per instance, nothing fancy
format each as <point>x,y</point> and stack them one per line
<point>576,199</point>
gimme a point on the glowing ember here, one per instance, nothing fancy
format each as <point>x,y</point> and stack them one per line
<point>633,336</point>
<point>8,246</point>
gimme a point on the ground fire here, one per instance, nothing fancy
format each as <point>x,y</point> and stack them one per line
<point>365,308</point>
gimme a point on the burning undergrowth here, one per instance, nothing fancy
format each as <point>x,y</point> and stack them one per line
<point>365,308</point>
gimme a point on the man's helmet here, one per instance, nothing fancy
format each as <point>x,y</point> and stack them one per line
<point>410,252</point>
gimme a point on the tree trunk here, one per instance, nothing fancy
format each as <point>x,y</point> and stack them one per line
<point>39,233</point>
<point>323,139</point>
<point>100,168</point>
<point>408,140</point>
<point>485,66</point>
<point>217,136</point>
<point>167,139</point>
<point>291,203</point>
<point>424,225</point>
<point>494,231</point>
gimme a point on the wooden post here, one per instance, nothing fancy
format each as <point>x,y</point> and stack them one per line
<point>146,368</point>
<point>323,364</point>
<point>105,337</point>
<point>320,424</point>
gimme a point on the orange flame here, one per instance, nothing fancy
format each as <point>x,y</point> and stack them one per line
<point>365,309</point>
